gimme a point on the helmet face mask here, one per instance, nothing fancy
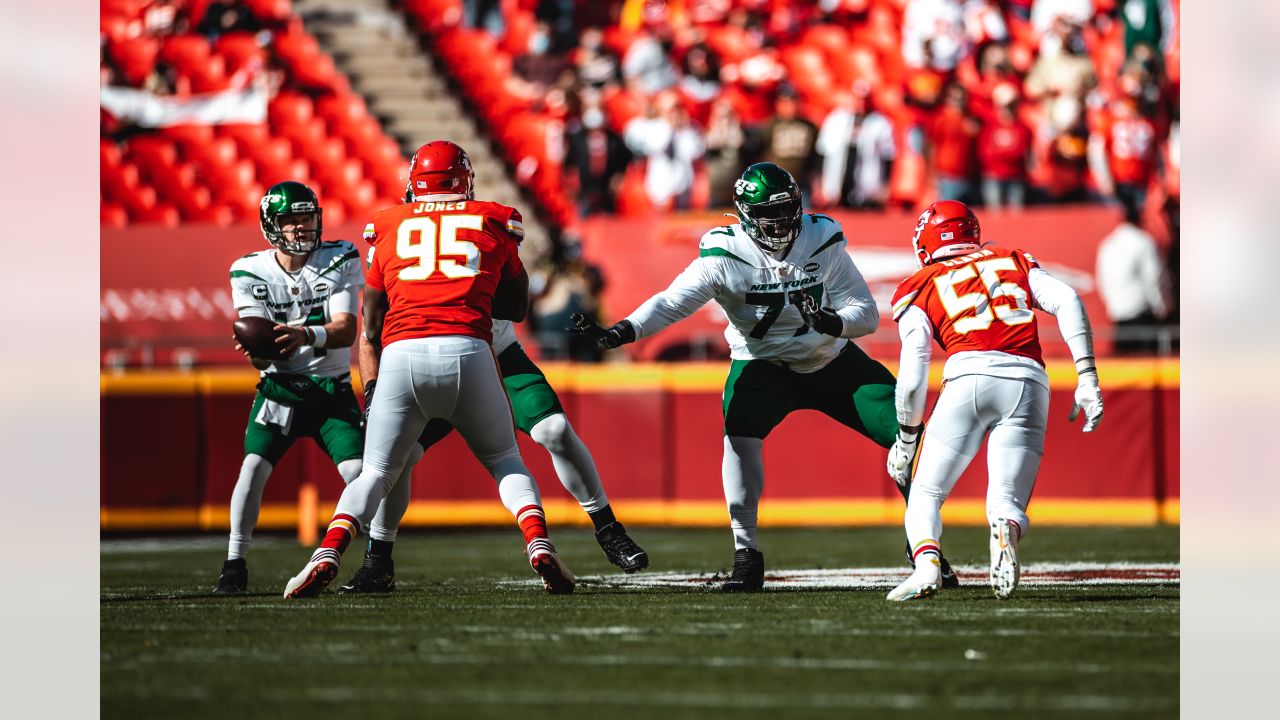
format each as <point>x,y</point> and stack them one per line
<point>768,203</point>
<point>293,204</point>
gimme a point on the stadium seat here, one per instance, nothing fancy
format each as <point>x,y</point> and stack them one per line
<point>240,50</point>
<point>304,135</point>
<point>158,214</point>
<point>215,214</point>
<point>136,58</point>
<point>186,53</point>
<point>247,136</point>
<point>288,109</point>
<point>113,215</point>
<point>110,154</point>
<point>322,155</point>
<point>341,111</point>
<point>269,10</point>
<point>520,27</point>
<point>189,137</point>
<point>210,77</point>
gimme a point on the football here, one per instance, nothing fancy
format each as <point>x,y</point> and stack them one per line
<point>256,335</point>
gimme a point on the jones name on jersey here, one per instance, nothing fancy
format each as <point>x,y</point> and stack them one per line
<point>753,288</point>
<point>261,287</point>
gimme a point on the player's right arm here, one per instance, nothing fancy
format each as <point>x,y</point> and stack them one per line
<point>1063,302</point>
<point>246,304</point>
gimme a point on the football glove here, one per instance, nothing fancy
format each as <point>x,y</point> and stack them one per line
<point>368,401</point>
<point>824,320</point>
<point>1088,398</point>
<point>620,334</point>
<point>902,456</point>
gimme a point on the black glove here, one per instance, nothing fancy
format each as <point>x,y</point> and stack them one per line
<point>620,334</point>
<point>824,320</point>
<point>368,401</point>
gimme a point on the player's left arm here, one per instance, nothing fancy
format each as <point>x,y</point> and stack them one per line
<point>853,312</point>
<point>1063,302</point>
<point>911,391</point>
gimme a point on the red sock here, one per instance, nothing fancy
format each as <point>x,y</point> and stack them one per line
<point>533,522</point>
<point>341,530</point>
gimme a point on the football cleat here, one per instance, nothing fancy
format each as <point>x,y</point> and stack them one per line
<point>374,576</point>
<point>234,577</point>
<point>312,581</point>
<point>923,583</point>
<point>620,549</point>
<point>949,578</point>
<point>748,572</point>
<point>1004,557</point>
<point>556,577</point>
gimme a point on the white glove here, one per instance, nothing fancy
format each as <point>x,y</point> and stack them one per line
<point>902,456</point>
<point>1089,399</point>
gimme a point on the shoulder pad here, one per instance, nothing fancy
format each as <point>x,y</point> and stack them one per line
<point>717,242</point>
<point>908,290</point>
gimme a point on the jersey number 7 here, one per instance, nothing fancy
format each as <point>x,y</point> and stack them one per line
<point>438,247</point>
<point>774,304</point>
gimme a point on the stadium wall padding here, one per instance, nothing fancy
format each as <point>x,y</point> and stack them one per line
<point>172,444</point>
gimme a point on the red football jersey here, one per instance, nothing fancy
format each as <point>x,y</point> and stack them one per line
<point>980,301</point>
<point>440,263</point>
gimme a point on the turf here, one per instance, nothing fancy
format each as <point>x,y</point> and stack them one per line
<point>460,639</point>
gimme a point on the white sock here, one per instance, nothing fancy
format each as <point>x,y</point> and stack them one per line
<point>924,523</point>
<point>573,463</point>
<point>246,501</point>
<point>742,472</point>
<point>386,523</point>
<point>515,487</point>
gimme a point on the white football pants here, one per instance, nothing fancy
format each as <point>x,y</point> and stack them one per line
<point>452,377</point>
<point>1014,412</point>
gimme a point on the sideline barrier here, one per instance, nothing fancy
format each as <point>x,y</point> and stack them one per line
<point>172,443</point>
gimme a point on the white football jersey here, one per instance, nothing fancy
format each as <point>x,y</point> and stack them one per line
<point>752,287</point>
<point>504,335</point>
<point>328,284</point>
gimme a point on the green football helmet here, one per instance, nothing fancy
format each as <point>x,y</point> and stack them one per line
<point>768,204</point>
<point>285,199</point>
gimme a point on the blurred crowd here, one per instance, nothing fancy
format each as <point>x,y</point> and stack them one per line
<point>867,103</point>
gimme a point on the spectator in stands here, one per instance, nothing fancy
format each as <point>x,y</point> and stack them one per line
<point>1060,81</point>
<point>559,288</point>
<point>1068,165</point>
<point>700,83</point>
<point>1149,22</point>
<point>790,140</point>
<point>725,140</point>
<point>538,69</point>
<point>647,63</point>
<point>1004,146</point>
<point>953,137</point>
<point>1055,21</point>
<point>1128,142</point>
<point>857,148</point>
<point>984,23</point>
<point>164,80</point>
<point>599,158</point>
<point>1133,285</point>
<point>597,66</point>
<point>994,69</point>
<point>486,14</point>
<point>670,143</point>
<point>937,25</point>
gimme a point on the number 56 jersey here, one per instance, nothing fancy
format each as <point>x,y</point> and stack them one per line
<point>440,264</point>
<point>980,302</point>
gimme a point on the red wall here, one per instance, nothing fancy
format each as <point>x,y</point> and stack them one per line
<point>649,443</point>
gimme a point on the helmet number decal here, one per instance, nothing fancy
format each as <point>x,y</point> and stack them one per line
<point>983,303</point>
<point>438,247</point>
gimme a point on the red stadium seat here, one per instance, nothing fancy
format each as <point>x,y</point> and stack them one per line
<point>304,135</point>
<point>269,10</point>
<point>240,50</point>
<point>189,137</point>
<point>110,154</point>
<point>211,77</point>
<point>520,27</point>
<point>185,52</point>
<point>136,58</point>
<point>214,156</point>
<point>323,154</point>
<point>288,109</point>
<point>247,136</point>
<point>341,111</point>
<point>218,214</point>
<point>158,214</point>
<point>113,215</point>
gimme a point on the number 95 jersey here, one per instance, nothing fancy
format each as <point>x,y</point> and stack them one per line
<point>980,302</point>
<point>440,263</point>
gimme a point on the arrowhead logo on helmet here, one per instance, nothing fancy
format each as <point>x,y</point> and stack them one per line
<point>947,228</point>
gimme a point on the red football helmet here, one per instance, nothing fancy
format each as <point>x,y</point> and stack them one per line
<point>946,229</point>
<point>441,168</point>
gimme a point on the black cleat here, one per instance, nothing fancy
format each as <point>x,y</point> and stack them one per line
<point>620,549</point>
<point>234,577</point>
<point>748,572</point>
<point>374,576</point>
<point>949,579</point>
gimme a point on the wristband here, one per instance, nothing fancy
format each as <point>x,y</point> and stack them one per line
<point>316,336</point>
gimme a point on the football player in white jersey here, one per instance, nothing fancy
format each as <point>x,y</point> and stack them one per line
<point>309,288</point>
<point>794,299</point>
<point>538,413</point>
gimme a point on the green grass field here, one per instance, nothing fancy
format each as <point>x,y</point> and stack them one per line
<point>469,634</point>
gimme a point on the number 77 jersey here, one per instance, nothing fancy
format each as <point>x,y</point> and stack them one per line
<point>440,264</point>
<point>977,302</point>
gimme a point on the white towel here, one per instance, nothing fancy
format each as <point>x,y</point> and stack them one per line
<point>273,413</point>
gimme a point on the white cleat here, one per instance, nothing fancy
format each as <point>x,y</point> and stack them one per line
<point>312,581</point>
<point>1005,570</point>
<point>556,577</point>
<point>923,583</point>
